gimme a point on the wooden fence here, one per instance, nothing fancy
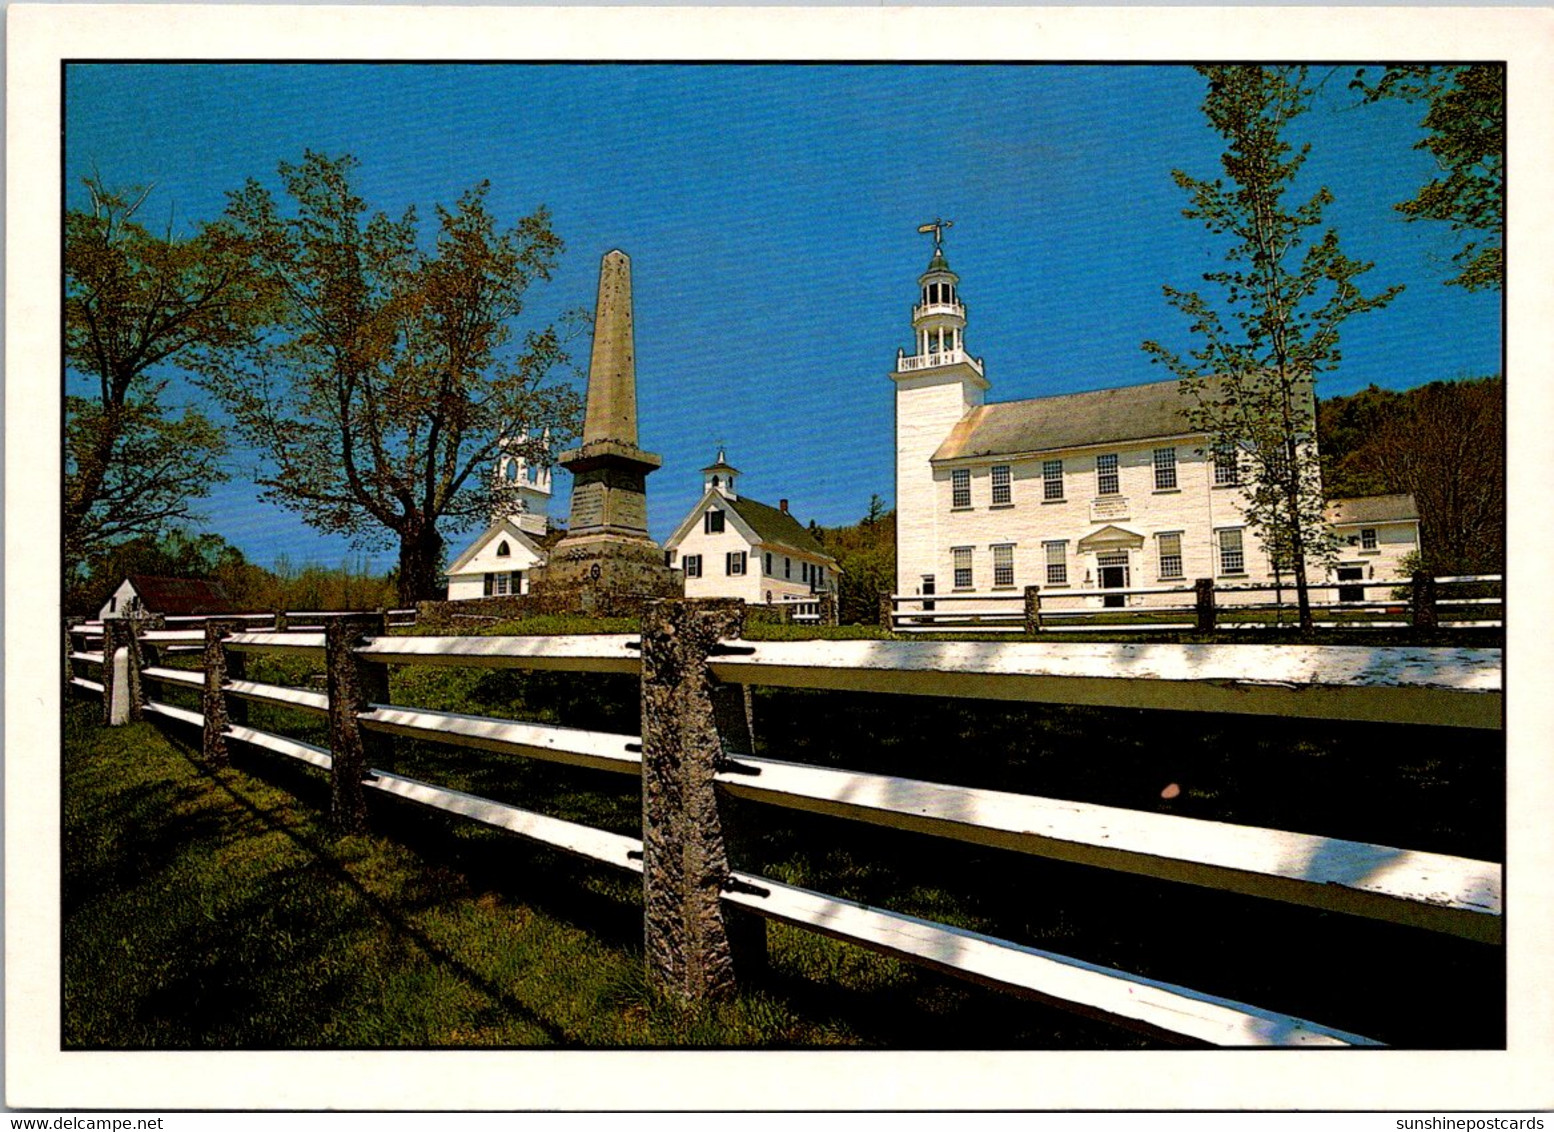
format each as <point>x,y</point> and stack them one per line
<point>1428,603</point>
<point>696,748</point>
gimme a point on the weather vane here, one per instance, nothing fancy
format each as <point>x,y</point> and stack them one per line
<point>937,227</point>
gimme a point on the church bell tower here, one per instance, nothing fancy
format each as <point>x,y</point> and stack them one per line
<point>936,386</point>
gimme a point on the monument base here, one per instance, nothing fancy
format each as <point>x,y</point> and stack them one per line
<point>604,574</point>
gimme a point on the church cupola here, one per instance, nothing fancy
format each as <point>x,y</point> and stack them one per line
<point>719,476</point>
<point>523,487</point>
<point>938,316</point>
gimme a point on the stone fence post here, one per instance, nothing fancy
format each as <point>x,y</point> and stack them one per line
<point>1424,613</point>
<point>829,613</point>
<point>353,685</point>
<point>220,666</point>
<point>687,718</point>
<point>887,610</point>
<point>1033,609</point>
<point>1204,588</point>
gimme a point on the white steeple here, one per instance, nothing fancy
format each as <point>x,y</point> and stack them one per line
<point>719,476</point>
<point>936,386</point>
<point>938,316</point>
<point>523,486</point>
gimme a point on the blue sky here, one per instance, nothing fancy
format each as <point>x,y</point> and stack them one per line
<point>770,213</point>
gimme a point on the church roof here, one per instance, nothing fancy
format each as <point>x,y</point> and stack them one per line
<point>1372,509</point>
<point>1071,420</point>
<point>774,526</point>
<point>180,596</point>
<point>505,527</point>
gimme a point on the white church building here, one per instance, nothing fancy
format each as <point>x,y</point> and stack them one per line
<point>730,545</point>
<point>500,559</point>
<point>1080,493</point>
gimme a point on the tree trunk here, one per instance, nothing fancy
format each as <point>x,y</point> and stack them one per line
<point>420,564</point>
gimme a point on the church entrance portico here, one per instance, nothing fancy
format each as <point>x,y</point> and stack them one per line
<point>1112,573</point>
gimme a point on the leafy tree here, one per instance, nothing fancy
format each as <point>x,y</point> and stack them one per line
<point>137,302</point>
<point>391,373</point>
<point>1464,127</point>
<point>176,553</point>
<point>866,554</point>
<point>1287,290</point>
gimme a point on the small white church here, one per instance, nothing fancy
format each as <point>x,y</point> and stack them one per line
<point>1081,493</point>
<point>498,563</point>
<point>730,545</point>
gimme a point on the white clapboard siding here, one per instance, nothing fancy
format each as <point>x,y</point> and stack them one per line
<point>1116,995</point>
<point>302,644</point>
<point>1431,890</point>
<point>316,702</point>
<point>185,676</point>
<point>595,749</point>
<point>569,837</point>
<point>1456,687</point>
<point>280,744</point>
<point>599,652</point>
<point>88,657</point>
<point>89,685</point>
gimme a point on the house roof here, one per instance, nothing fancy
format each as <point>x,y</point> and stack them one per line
<point>179,596</point>
<point>1071,420</point>
<point>772,525</point>
<point>1372,509</point>
<point>503,526</point>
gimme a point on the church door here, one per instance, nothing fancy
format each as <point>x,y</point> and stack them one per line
<point>1351,574</point>
<point>1113,570</point>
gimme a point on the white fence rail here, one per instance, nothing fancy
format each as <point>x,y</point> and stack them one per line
<point>1438,892</point>
<point>1147,609</point>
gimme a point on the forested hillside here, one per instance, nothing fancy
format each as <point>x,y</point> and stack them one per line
<point>1443,442</point>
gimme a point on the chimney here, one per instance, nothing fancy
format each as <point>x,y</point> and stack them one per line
<point>782,505</point>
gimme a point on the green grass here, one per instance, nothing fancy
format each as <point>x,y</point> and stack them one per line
<point>211,909</point>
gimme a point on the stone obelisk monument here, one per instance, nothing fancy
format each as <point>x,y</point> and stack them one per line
<point>607,555</point>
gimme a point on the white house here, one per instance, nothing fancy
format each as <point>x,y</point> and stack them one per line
<point>1375,534</point>
<point>498,562</point>
<point>731,546</point>
<point>1078,494</point>
<point>142,595</point>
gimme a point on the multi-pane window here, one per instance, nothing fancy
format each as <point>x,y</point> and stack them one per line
<point>1165,469</point>
<point>960,487</point>
<point>734,562</point>
<point>692,563</point>
<point>504,583</point>
<point>1171,555</point>
<point>768,562</point>
<point>1057,563</point>
<point>962,556</point>
<point>1003,565</point>
<point>1367,538</point>
<point>1052,479</point>
<point>1225,469</point>
<point>1001,492</point>
<point>1232,559</point>
<point>712,523</point>
<point>1106,474</point>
